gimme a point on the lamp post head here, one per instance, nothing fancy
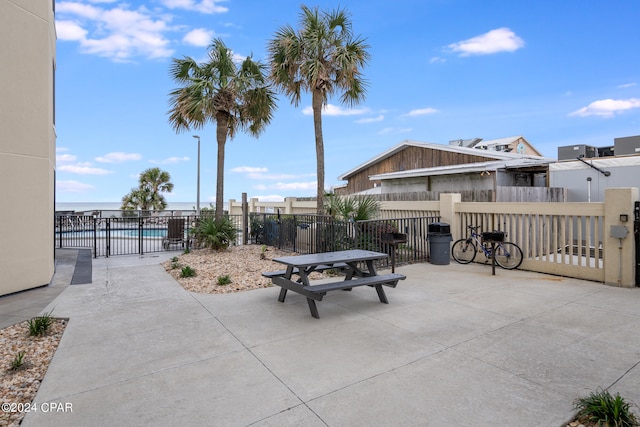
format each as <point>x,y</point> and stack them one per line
<point>196,136</point>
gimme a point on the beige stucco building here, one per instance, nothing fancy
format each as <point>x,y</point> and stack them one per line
<point>27,143</point>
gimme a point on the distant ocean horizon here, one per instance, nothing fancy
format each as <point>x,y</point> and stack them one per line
<point>115,206</point>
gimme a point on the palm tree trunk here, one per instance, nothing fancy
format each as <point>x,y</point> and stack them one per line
<point>221,138</point>
<point>316,102</point>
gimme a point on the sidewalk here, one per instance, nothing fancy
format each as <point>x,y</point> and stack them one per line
<point>455,346</point>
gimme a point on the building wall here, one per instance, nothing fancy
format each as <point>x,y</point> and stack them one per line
<point>585,184</point>
<point>27,143</point>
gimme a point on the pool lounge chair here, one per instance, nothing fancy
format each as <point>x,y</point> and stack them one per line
<point>175,233</point>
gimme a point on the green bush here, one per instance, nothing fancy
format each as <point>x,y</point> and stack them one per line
<point>214,234</point>
<point>187,271</point>
<point>605,410</point>
<point>224,280</point>
<point>39,326</point>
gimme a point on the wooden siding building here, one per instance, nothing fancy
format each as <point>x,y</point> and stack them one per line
<point>413,166</point>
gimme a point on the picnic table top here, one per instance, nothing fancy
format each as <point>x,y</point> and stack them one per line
<point>329,258</point>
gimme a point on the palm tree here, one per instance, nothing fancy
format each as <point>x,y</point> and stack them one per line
<point>218,90</point>
<point>151,183</point>
<point>322,58</point>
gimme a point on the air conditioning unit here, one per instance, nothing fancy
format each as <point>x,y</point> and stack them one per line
<point>571,152</point>
<point>606,151</point>
<point>627,145</point>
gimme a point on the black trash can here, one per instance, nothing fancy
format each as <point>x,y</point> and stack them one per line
<point>440,243</point>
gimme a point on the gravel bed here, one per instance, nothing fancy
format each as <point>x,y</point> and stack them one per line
<point>243,264</point>
<point>18,387</point>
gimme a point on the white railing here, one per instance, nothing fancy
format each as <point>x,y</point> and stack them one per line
<point>564,239</point>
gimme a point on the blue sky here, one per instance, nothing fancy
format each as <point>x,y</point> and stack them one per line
<point>556,72</point>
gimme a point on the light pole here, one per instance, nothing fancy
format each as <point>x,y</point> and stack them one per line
<point>198,189</point>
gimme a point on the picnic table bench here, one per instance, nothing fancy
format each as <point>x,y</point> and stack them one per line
<point>347,261</point>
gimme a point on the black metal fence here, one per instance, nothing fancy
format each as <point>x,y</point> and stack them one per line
<point>307,233</point>
<point>299,233</point>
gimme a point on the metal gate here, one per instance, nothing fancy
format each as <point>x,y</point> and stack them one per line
<point>636,234</point>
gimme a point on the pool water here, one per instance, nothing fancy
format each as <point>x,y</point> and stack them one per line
<point>150,232</point>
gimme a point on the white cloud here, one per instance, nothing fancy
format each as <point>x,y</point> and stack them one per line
<point>249,169</point>
<point>261,174</point>
<point>607,107</point>
<point>73,187</point>
<point>83,170</point>
<point>202,6</point>
<point>495,41</point>
<point>437,60</point>
<point>260,187</point>
<point>61,158</point>
<point>61,149</point>
<point>170,160</point>
<point>70,31</point>
<point>394,130</point>
<point>296,185</point>
<point>117,33</point>
<point>335,110</point>
<point>624,86</point>
<point>421,112</point>
<point>371,119</point>
<point>198,37</point>
<point>118,157</point>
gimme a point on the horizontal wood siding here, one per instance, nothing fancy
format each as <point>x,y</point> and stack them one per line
<point>408,159</point>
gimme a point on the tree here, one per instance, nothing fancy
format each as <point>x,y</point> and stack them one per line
<point>220,91</point>
<point>147,196</point>
<point>322,58</point>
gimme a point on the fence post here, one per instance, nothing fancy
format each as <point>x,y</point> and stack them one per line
<point>619,266</point>
<point>95,237</point>
<point>107,239</point>
<point>245,219</point>
<point>60,231</point>
<point>448,211</point>
<point>140,241</point>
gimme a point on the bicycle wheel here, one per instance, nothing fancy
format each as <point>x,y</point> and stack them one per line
<point>464,251</point>
<point>508,255</point>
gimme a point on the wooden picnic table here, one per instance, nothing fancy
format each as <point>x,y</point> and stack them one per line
<point>350,262</point>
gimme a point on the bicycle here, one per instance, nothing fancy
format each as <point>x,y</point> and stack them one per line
<point>508,255</point>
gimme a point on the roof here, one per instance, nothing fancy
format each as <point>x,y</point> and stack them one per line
<point>613,161</point>
<point>498,155</point>
<point>501,141</point>
<point>520,162</point>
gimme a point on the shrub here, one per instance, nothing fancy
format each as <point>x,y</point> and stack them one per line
<point>174,259</point>
<point>214,234</point>
<point>39,326</point>
<point>187,271</point>
<point>175,265</point>
<point>606,410</point>
<point>224,280</point>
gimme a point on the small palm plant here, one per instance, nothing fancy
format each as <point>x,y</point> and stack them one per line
<point>215,234</point>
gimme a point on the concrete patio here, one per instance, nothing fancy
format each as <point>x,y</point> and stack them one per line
<point>455,346</point>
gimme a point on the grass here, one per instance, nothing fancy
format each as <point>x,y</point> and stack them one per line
<point>605,410</point>
<point>224,280</point>
<point>187,271</point>
<point>18,362</point>
<point>39,325</point>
